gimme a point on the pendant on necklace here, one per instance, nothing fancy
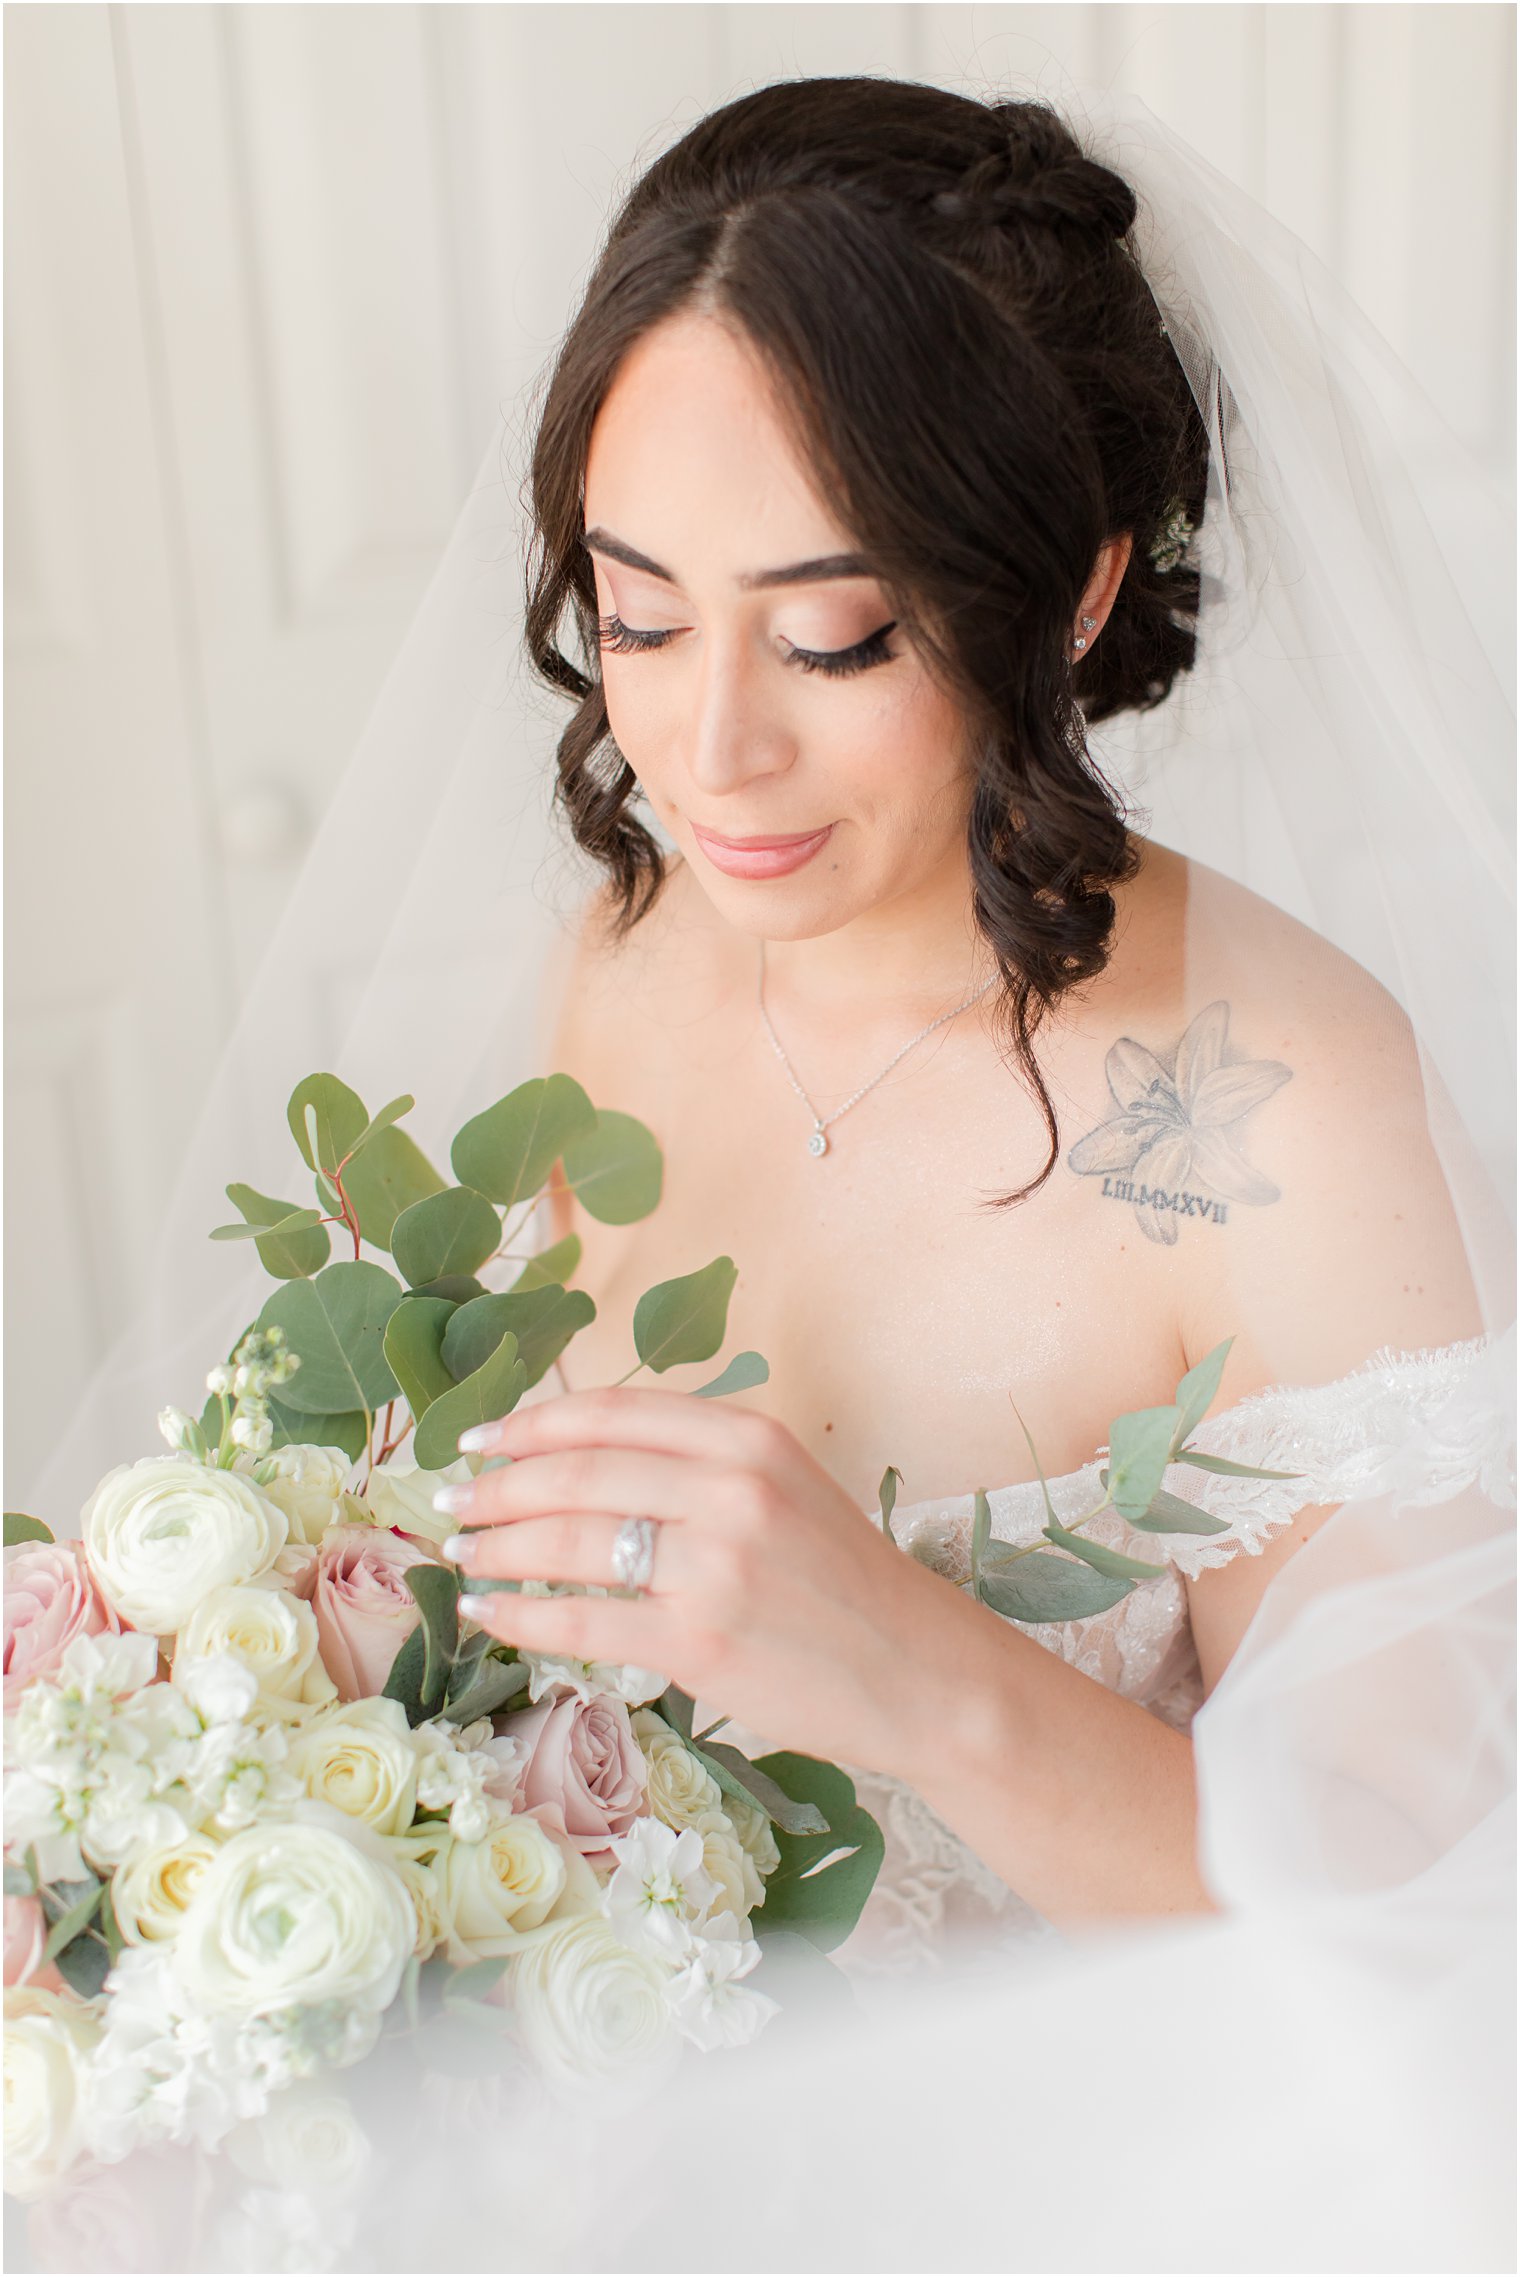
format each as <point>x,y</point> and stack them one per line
<point>818,1142</point>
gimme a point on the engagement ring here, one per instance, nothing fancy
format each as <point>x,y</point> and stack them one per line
<point>633,1553</point>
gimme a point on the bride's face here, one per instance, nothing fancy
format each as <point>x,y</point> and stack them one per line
<point>787,735</point>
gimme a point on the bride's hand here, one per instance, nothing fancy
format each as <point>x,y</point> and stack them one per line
<point>771,1596</point>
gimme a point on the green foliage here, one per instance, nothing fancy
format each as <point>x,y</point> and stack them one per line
<point>491,1391</point>
<point>886,1495</point>
<point>981,1532</point>
<point>1226,1469</point>
<point>414,1350</point>
<point>454,1288</point>
<point>20,1527</point>
<point>1035,1586</point>
<point>326,1119</point>
<point>543,1321</point>
<point>495,1681</point>
<point>454,1231</point>
<point>438,1673</point>
<point>507,1152</point>
<point>616,1169</point>
<point>685,1319</point>
<point>336,1325</point>
<point>557,1263</point>
<point>295,1244</point>
<point>819,1902</point>
<point>436,1589</point>
<point>389,1176</point>
<point>1140,1447</point>
<point>745,1371</point>
<point>1195,1393</point>
<point>1169,1514</point>
<point>1112,1562</point>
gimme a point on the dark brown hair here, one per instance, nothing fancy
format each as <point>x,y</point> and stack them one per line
<point>962,338</point>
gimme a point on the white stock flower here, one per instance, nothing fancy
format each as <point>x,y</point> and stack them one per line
<point>219,1685</point>
<point>150,1893</point>
<point>586,1678</point>
<point>660,1891</point>
<point>711,2007</point>
<point>497,1891</point>
<point>457,1775</point>
<point>361,1757</point>
<point>400,1494</point>
<point>274,1634</point>
<point>293,1915</point>
<point>586,2004</point>
<point>305,1482</point>
<point>160,1532</point>
<point>48,2039</point>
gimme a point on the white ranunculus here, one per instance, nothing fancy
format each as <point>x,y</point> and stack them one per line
<point>48,2038</point>
<point>271,1631</point>
<point>681,1788</point>
<point>306,1483</point>
<point>361,1758</point>
<point>306,2140</point>
<point>150,1893</point>
<point>400,1495</point>
<point>294,1915</point>
<point>501,1889</point>
<point>586,2004</point>
<point>159,1533</point>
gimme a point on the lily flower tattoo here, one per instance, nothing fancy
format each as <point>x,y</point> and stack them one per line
<point>1171,1150</point>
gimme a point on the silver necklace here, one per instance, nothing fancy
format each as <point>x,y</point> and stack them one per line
<point>818,1143</point>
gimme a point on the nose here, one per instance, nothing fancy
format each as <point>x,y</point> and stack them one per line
<point>737,732</point>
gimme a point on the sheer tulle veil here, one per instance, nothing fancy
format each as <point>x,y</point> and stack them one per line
<point>1320,2078</point>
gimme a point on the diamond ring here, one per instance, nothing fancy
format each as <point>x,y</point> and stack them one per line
<point>633,1553</point>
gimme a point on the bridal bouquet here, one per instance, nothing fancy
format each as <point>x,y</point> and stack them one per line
<point>269,1798</point>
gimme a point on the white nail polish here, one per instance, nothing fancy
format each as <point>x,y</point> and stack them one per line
<point>478,1436</point>
<point>473,1608</point>
<point>459,1548</point>
<point>451,1498</point>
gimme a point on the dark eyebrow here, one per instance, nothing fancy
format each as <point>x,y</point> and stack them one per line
<point>797,573</point>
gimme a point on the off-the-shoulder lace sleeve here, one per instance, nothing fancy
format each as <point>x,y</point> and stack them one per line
<point>1421,1425</point>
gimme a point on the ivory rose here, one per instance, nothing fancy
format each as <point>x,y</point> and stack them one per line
<point>50,1598</point>
<point>159,1533</point>
<point>150,1893</point>
<point>360,1757</point>
<point>306,1483</point>
<point>364,1610</point>
<point>584,1762</point>
<point>271,1631</point>
<point>48,2037</point>
<point>400,1493</point>
<point>499,1890</point>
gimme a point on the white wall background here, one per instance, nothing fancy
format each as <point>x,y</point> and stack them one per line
<point>269,272</point>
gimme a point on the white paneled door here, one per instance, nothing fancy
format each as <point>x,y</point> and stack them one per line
<point>271,271</point>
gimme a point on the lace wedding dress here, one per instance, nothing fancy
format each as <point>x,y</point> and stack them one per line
<point>1416,1426</point>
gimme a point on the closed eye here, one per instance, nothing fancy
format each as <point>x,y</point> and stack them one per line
<point>627,640</point>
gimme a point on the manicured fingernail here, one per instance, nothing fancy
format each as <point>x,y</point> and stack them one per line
<point>477,1438</point>
<point>459,1549</point>
<point>451,1498</point>
<point>474,1608</point>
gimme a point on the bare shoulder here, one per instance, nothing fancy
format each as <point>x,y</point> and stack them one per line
<point>1264,1116</point>
<point>629,989</point>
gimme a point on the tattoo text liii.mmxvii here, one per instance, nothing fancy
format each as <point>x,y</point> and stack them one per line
<point>1172,1148</point>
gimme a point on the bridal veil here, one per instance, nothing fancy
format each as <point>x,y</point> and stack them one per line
<point>1321,2077</point>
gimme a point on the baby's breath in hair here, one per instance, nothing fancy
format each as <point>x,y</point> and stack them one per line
<point>1170,542</point>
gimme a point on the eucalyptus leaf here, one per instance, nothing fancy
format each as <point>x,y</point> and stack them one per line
<point>296,1243</point>
<point>820,1905</point>
<point>454,1231</point>
<point>497,1682</point>
<point>745,1371</point>
<point>616,1170</point>
<point>684,1319</point>
<point>542,1320</point>
<point>339,1115</point>
<point>677,1708</point>
<point>1139,1449</point>
<point>414,1350</point>
<point>390,1113</point>
<point>456,1288</point>
<point>336,1325</point>
<point>1196,1391</point>
<point>85,1965</point>
<point>557,1263</point>
<point>981,1535</point>
<point>404,1682</point>
<point>347,1430</point>
<point>737,1775</point>
<point>491,1391</point>
<point>80,1902</point>
<point>436,1589</point>
<point>1102,1560</point>
<point>886,1495</point>
<point>18,1882</point>
<point>387,1178</point>
<point>475,1981</point>
<point>1040,1587</point>
<point>20,1527</point>
<point>507,1152</point>
<point>1224,1469</point>
<point>1169,1514</point>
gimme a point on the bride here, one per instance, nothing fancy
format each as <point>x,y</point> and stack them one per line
<point>871,483</point>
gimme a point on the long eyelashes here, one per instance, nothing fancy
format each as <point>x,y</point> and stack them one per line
<point>837,663</point>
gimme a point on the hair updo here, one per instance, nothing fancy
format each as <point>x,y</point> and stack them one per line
<point>973,366</point>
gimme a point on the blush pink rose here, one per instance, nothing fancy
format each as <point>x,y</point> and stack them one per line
<point>50,1599</point>
<point>26,1932</point>
<point>365,1612</point>
<point>584,1764</point>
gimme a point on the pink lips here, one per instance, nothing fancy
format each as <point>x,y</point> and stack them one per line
<point>759,857</point>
